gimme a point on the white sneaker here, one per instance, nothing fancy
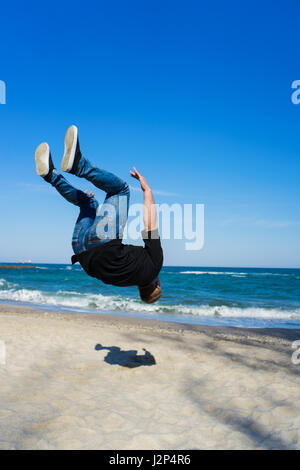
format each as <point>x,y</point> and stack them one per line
<point>43,161</point>
<point>72,153</point>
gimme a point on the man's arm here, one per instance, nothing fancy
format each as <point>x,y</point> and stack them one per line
<point>152,242</point>
<point>150,213</point>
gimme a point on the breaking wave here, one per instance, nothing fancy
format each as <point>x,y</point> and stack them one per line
<point>86,302</point>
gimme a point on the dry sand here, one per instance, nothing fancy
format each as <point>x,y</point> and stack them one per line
<point>210,387</point>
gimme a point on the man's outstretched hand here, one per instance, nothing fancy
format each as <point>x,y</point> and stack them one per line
<point>137,175</point>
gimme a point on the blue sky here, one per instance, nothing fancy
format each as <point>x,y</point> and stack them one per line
<point>196,95</point>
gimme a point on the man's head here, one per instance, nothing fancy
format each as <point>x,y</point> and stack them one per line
<point>152,292</point>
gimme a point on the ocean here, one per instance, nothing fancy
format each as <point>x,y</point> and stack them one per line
<point>241,297</point>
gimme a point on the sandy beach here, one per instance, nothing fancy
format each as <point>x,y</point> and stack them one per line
<point>105,382</point>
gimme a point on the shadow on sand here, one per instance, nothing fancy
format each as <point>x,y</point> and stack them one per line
<point>126,358</point>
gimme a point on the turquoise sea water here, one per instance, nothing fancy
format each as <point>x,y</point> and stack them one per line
<point>245,297</point>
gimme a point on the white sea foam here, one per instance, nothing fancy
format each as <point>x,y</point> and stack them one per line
<point>4,284</point>
<point>210,272</point>
<point>72,299</point>
<point>233,274</point>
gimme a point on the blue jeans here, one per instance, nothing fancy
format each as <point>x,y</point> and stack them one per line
<point>96,224</point>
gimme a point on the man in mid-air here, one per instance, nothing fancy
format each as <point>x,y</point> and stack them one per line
<point>97,237</point>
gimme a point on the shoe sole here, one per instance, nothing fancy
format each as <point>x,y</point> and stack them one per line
<point>70,149</point>
<point>42,157</point>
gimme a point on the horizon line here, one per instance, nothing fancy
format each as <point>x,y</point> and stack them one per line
<point>165,266</point>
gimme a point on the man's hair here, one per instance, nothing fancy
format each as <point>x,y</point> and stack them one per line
<point>152,292</point>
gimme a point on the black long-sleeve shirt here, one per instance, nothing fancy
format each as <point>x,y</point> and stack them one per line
<point>124,265</point>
